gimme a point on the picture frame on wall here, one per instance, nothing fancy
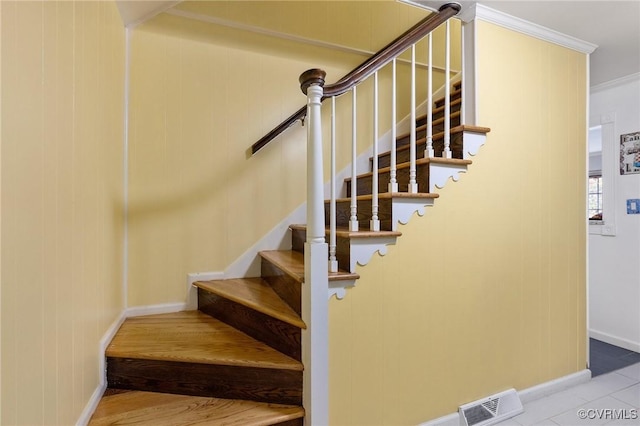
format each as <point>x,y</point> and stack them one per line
<point>630,153</point>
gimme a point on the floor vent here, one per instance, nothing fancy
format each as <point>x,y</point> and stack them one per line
<point>491,410</point>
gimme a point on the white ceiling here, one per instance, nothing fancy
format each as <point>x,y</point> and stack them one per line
<point>612,25</point>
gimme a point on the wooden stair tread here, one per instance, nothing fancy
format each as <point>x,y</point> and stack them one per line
<point>292,263</point>
<point>406,165</point>
<point>163,409</point>
<point>390,195</point>
<point>254,293</point>
<point>439,109</point>
<point>440,135</point>
<point>193,337</point>
<point>436,122</point>
<point>346,233</point>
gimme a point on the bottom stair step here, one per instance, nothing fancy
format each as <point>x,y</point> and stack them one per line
<point>191,353</point>
<point>161,409</point>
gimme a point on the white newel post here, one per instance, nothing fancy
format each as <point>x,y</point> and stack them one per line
<point>316,280</point>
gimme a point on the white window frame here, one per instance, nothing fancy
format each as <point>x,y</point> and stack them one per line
<point>610,159</point>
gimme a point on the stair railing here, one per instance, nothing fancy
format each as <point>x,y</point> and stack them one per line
<point>312,83</point>
<point>316,250</point>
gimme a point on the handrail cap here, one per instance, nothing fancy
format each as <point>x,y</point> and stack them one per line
<point>312,76</point>
<point>454,5</point>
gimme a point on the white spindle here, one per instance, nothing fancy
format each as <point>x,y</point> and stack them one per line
<point>447,95</point>
<point>393,182</point>
<point>374,224</point>
<point>333,262</point>
<point>353,220</point>
<point>413,186</point>
<point>429,151</point>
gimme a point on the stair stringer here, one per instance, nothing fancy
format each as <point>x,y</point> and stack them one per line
<point>439,175</point>
<point>472,143</point>
<point>362,250</point>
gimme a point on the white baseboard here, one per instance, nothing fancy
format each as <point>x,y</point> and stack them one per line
<point>93,402</point>
<point>526,395</point>
<point>164,308</point>
<point>614,340</point>
<point>192,291</point>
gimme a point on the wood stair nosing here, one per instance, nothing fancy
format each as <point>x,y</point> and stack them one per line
<point>385,208</point>
<point>162,409</point>
<point>194,337</point>
<point>423,165</point>
<point>456,132</point>
<point>291,263</point>
<point>344,238</point>
<point>191,353</point>
<point>256,294</point>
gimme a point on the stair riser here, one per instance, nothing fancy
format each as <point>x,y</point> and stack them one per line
<point>294,422</point>
<point>275,333</point>
<point>365,184</point>
<point>343,247</point>
<point>421,134</point>
<point>231,382</point>
<point>343,213</point>
<point>439,114</point>
<point>455,94</point>
<point>403,155</point>
<point>285,286</point>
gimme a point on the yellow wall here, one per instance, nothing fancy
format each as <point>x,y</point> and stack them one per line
<point>62,203</point>
<point>487,290</point>
<point>201,94</point>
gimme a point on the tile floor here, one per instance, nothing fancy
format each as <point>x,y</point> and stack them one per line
<point>605,357</point>
<point>617,391</point>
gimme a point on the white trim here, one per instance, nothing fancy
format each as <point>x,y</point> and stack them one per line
<point>534,30</point>
<point>91,406</point>
<point>631,78</point>
<point>556,385</point>
<point>163,308</point>
<point>125,168</point>
<point>279,238</point>
<point>586,208</point>
<point>614,340</point>
<point>93,402</point>
<point>158,9</point>
<point>527,395</point>
<point>284,36</point>
<point>192,291</point>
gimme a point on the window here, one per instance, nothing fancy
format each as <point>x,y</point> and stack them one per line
<point>595,198</point>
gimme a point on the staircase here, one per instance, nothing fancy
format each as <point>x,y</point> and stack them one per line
<point>237,359</point>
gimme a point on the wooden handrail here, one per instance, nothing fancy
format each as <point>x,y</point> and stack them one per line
<point>368,67</point>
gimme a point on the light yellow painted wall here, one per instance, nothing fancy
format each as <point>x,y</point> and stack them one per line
<point>487,290</point>
<point>201,94</point>
<point>62,203</point>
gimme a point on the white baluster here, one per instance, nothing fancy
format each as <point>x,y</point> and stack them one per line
<point>447,95</point>
<point>333,262</point>
<point>393,182</point>
<point>413,186</point>
<point>374,224</point>
<point>353,220</point>
<point>429,151</point>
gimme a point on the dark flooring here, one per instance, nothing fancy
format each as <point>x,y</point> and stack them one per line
<point>606,358</point>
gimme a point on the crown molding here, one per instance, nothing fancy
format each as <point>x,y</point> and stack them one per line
<point>479,11</point>
<point>631,78</point>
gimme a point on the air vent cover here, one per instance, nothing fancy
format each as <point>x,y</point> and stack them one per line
<point>491,410</point>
